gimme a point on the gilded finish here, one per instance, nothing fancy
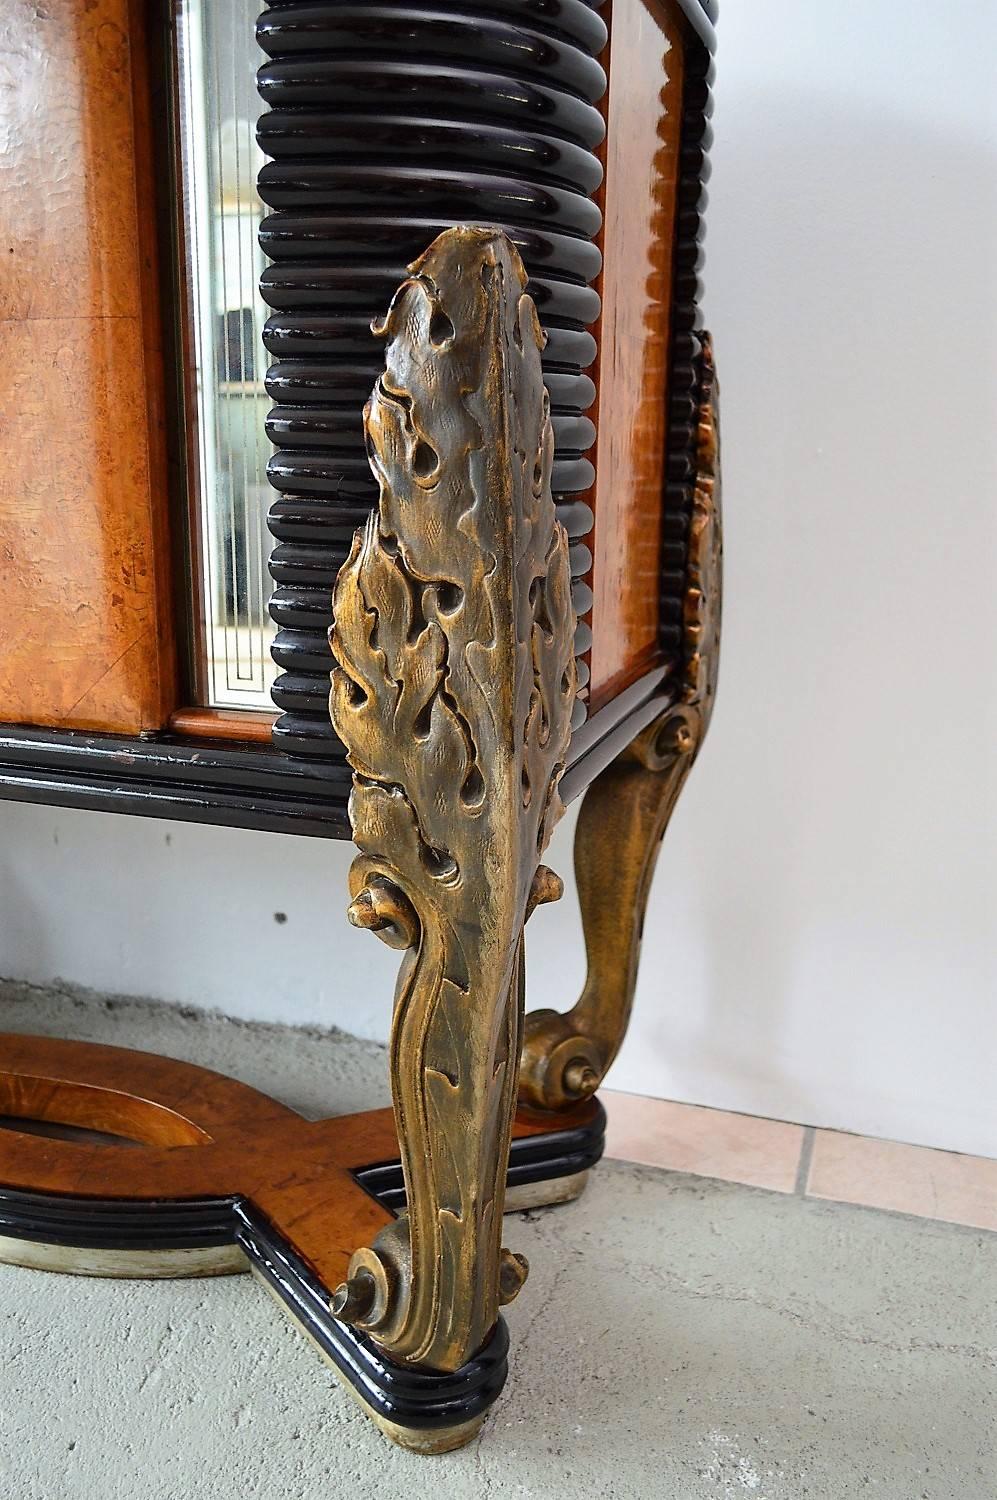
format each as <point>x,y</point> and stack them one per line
<point>624,816</point>
<point>453,694</point>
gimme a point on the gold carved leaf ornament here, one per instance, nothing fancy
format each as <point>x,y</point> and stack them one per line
<point>453,692</point>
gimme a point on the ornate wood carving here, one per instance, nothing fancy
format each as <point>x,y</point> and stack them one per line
<point>453,694</point>
<point>626,811</point>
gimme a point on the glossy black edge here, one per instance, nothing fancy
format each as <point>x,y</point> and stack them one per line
<point>189,1224</point>
<point>115,1224</point>
<point>537,1158</point>
<point>410,1397</point>
<point>702,17</point>
<point>252,786</point>
<point>199,781</point>
<point>597,742</point>
<point>415,1398</point>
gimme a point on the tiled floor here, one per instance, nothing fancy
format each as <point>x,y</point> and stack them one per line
<point>799,1159</point>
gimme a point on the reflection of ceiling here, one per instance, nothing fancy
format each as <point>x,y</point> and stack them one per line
<point>240,162</point>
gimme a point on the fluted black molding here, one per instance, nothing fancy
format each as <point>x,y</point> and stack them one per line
<point>386,124</point>
<point>686,326</point>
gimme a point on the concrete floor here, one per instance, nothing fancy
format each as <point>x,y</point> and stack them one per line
<point>678,1337</point>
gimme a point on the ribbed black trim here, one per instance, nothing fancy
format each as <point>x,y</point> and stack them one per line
<point>387,124</point>
<point>683,379</point>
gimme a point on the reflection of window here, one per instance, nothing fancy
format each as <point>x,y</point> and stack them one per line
<point>235,348</point>
<point>229,450</point>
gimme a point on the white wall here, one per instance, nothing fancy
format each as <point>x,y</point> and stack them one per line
<point>820,944</point>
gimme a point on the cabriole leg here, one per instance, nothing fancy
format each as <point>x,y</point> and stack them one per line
<point>624,816</point>
<point>453,693</point>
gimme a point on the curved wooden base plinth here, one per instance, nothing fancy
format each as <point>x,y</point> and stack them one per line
<point>196,1174</point>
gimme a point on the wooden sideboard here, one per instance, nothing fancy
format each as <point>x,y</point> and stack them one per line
<point>484,223</point>
<point>588,145</point>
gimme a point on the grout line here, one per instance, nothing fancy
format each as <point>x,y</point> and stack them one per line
<point>713,1109</point>
<point>903,1214</point>
<point>806,1157</point>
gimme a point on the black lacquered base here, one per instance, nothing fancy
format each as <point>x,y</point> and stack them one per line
<point>97,1232</point>
<point>422,1409</point>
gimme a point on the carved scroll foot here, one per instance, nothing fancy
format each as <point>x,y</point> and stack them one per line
<point>453,693</point>
<point>620,827</point>
<point>624,816</point>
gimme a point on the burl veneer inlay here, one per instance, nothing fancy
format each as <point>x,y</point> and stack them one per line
<point>79,486</point>
<point>644,115</point>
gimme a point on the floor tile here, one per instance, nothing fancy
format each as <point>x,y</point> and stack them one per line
<point>908,1179</point>
<point>708,1142</point>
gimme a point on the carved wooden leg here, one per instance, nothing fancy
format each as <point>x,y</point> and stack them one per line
<point>620,827</point>
<point>624,817</point>
<point>453,695</point>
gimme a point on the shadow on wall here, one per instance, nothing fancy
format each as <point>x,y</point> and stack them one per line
<point>25,923</point>
<point>247,922</point>
<point>819,941</point>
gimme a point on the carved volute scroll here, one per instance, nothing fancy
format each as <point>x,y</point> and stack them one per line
<point>453,693</point>
<point>626,811</point>
<point>702,606</point>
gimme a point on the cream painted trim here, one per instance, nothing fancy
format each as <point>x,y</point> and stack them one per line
<point>546,1194</point>
<point>140,1265</point>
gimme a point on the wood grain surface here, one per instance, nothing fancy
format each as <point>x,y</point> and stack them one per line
<point>202,1135</point>
<point>643,119</point>
<point>84,636</point>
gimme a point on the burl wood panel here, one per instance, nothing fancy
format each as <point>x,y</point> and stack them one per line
<point>203,1136</point>
<point>84,632</point>
<point>643,118</point>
